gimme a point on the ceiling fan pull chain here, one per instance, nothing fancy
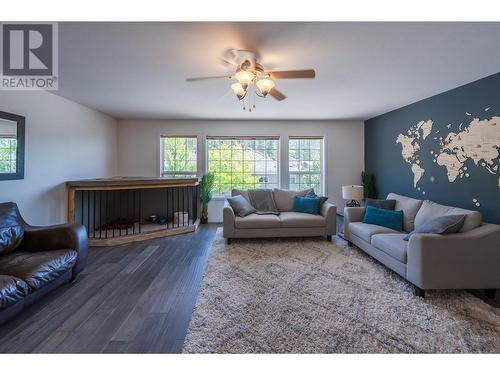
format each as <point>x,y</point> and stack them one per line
<point>249,102</point>
<point>253,96</point>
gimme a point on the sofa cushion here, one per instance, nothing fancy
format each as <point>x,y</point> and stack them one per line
<point>440,225</point>
<point>431,210</point>
<point>240,206</point>
<point>386,204</point>
<point>11,228</point>
<point>385,218</point>
<point>38,268</point>
<point>254,221</point>
<point>366,231</point>
<point>409,206</point>
<point>301,220</point>
<point>12,290</point>
<point>392,244</point>
<point>284,198</point>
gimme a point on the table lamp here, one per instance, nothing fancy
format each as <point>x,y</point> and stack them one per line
<point>352,193</point>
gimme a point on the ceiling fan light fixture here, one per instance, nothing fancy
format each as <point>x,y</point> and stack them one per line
<point>238,90</point>
<point>245,77</point>
<point>265,85</point>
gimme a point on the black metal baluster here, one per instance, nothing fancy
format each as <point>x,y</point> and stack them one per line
<point>133,211</point>
<point>106,214</point>
<point>140,211</point>
<point>127,210</point>
<point>178,206</point>
<point>182,211</point>
<point>190,206</point>
<point>93,227</point>
<point>88,213</point>
<point>170,217</point>
<point>81,194</point>
<point>100,214</point>
<point>113,198</point>
<point>166,204</point>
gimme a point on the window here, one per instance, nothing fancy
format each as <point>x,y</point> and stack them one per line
<point>305,155</point>
<point>8,153</point>
<point>243,162</point>
<point>179,156</point>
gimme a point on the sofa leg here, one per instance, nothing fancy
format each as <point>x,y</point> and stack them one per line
<point>329,238</point>
<point>350,244</point>
<point>490,293</point>
<point>228,241</point>
<point>419,292</point>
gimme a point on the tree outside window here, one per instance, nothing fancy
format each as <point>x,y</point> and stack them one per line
<point>243,163</point>
<point>179,156</point>
<point>306,163</point>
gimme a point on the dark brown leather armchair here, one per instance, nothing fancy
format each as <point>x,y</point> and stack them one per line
<point>35,260</point>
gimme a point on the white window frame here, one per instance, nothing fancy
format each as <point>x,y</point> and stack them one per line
<point>247,137</point>
<point>164,173</point>
<point>323,166</point>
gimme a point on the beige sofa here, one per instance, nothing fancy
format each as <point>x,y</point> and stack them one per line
<point>469,259</point>
<point>286,224</point>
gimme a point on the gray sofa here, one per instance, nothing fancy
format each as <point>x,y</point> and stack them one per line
<point>469,259</point>
<point>286,224</point>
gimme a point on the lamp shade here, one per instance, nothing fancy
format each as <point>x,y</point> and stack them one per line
<point>352,192</point>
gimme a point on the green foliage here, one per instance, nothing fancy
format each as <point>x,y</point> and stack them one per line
<point>179,154</point>
<point>8,151</point>
<point>227,160</point>
<point>369,189</point>
<point>207,188</point>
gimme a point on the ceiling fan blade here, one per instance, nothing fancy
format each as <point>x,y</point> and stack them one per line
<point>278,95</point>
<point>307,73</point>
<point>194,79</point>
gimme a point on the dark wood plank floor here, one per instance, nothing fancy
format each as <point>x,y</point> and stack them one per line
<point>135,298</point>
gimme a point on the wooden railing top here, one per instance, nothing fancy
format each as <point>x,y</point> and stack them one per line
<point>131,183</point>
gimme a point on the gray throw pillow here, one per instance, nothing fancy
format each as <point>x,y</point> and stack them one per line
<point>240,206</point>
<point>440,225</point>
<point>386,204</point>
<point>244,193</point>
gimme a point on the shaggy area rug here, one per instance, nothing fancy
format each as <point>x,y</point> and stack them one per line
<point>311,296</point>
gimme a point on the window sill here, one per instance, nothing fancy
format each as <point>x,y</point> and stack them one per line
<point>219,198</point>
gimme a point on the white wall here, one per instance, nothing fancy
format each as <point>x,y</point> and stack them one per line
<point>64,141</point>
<point>139,147</point>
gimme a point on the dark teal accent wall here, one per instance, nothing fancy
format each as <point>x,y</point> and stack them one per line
<point>459,156</point>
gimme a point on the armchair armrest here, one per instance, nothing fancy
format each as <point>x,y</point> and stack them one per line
<point>329,211</point>
<point>58,237</point>
<point>352,215</point>
<point>228,219</point>
<point>469,260</point>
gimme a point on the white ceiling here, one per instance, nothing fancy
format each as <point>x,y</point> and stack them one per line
<point>138,70</point>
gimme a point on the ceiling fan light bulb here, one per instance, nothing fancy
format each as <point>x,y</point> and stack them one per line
<point>244,77</point>
<point>265,85</point>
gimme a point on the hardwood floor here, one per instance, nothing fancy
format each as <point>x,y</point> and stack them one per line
<point>134,298</point>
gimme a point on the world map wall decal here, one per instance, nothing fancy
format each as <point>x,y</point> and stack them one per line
<point>478,141</point>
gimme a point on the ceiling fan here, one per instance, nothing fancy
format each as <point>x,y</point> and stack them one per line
<point>251,77</point>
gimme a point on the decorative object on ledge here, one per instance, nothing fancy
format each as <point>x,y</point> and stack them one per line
<point>368,180</point>
<point>352,193</point>
<point>127,209</point>
<point>206,192</point>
